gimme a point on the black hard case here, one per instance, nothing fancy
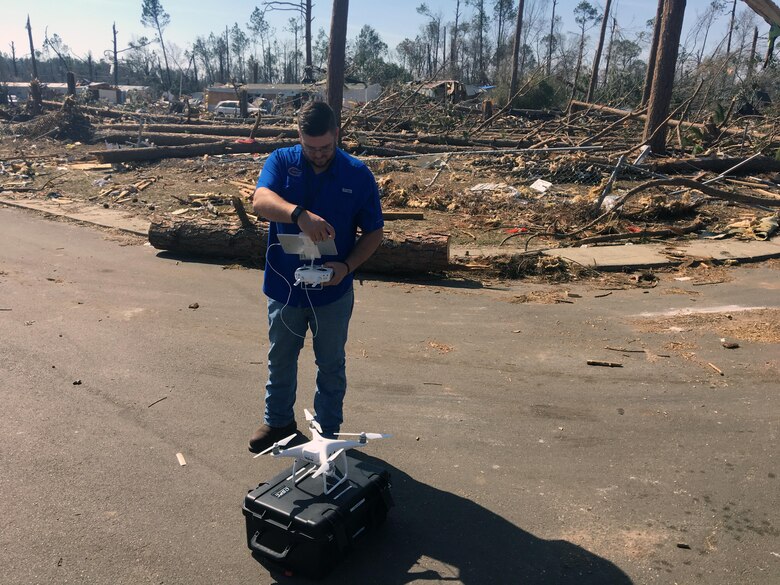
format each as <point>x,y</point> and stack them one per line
<point>299,528</point>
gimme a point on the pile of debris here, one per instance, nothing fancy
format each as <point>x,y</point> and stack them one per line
<point>506,178</point>
<point>67,123</point>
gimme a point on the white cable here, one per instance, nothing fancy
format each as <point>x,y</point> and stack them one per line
<point>313,312</point>
<point>289,295</point>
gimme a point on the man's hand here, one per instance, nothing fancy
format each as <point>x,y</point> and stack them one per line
<point>315,227</point>
<point>339,272</point>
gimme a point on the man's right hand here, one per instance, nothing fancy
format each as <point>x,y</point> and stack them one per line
<point>315,227</point>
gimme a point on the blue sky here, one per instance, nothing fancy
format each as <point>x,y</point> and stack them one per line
<point>85,25</point>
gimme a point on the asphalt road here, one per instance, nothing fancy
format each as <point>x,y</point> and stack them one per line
<point>513,462</point>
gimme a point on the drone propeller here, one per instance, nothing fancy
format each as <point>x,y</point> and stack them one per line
<point>366,435</point>
<point>275,446</point>
<point>312,421</point>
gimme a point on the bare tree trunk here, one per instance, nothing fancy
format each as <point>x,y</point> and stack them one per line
<point>444,47</point>
<point>336,56</point>
<point>516,48</point>
<point>227,52</point>
<point>577,70</point>
<point>609,50</point>
<point>752,57</point>
<point>32,50</point>
<point>454,43</point>
<point>663,76</point>
<point>13,59</point>
<point>769,52</point>
<point>731,27</point>
<point>653,53</point>
<point>550,40</point>
<point>165,57</point>
<point>594,77</point>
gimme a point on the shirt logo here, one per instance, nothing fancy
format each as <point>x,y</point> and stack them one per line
<point>345,190</point>
<point>294,172</point>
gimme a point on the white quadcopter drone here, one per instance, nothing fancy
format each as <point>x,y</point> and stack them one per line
<point>309,276</point>
<point>323,453</point>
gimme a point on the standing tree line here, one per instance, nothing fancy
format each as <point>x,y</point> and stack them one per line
<point>501,43</point>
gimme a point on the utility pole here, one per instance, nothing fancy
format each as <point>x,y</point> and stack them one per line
<point>663,76</point>
<point>308,71</point>
<point>32,49</point>
<point>336,56</point>
<point>116,60</point>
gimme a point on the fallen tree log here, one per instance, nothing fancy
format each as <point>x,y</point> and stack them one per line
<point>716,165</point>
<point>206,129</point>
<point>157,138</point>
<point>697,186</point>
<point>224,238</point>
<point>535,114</point>
<point>214,148</point>
<point>441,139</point>
<point>578,105</point>
<point>208,238</point>
<point>410,254</point>
<point>644,234</point>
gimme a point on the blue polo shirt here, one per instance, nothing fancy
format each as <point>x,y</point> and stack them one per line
<point>345,195</point>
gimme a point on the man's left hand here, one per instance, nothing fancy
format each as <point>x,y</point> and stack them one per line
<point>340,271</point>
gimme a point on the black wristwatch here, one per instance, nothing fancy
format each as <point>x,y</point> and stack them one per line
<point>296,213</point>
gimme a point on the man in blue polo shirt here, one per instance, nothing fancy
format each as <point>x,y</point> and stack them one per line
<point>318,189</point>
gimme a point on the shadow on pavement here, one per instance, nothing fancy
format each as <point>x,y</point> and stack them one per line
<point>435,536</point>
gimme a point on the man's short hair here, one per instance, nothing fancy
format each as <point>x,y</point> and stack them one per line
<point>316,119</point>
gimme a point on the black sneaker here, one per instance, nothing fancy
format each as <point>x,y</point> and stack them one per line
<point>266,436</point>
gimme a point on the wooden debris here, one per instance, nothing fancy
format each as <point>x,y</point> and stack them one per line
<point>391,215</point>
<point>604,364</point>
<point>624,350</point>
<point>238,205</point>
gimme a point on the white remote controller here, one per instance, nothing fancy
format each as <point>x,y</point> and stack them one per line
<point>313,276</point>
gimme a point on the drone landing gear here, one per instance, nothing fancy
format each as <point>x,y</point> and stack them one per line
<point>332,478</point>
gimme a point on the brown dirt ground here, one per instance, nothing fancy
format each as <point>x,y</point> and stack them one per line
<point>758,326</point>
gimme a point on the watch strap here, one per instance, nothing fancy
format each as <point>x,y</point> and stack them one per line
<point>296,213</point>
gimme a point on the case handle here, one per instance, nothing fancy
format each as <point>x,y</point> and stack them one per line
<point>279,556</point>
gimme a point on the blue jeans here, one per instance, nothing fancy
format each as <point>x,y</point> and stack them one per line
<point>287,328</point>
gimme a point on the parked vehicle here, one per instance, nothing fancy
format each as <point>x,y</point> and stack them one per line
<point>232,108</point>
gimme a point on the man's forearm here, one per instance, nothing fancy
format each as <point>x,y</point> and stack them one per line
<point>364,248</point>
<point>271,206</point>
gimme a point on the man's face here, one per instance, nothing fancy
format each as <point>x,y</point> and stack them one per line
<point>319,150</point>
